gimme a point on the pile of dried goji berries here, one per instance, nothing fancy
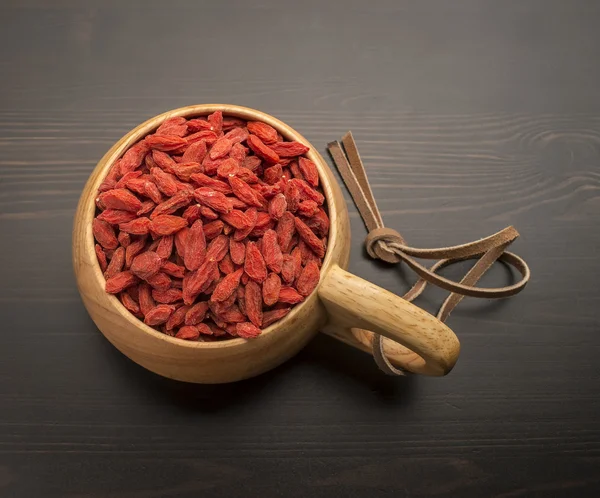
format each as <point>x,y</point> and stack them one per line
<point>211,228</point>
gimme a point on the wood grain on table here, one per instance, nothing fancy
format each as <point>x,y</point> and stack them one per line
<point>470,115</point>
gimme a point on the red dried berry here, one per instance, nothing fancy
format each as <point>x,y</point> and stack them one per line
<point>146,265</point>
<point>254,264</point>
<point>120,282</point>
<point>271,288</point>
<point>289,295</point>
<point>166,224</point>
<point>289,149</point>
<point>309,171</point>
<point>140,226</point>
<point>213,199</point>
<point>195,249</point>
<point>253,300</point>
<point>272,316</point>
<point>308,279</point>
<point>188,332</point>
<point>177,318</point>
<point>271,251</point>
<point>237,251</point>
<point>116,216</point>
<point>168,296</point>
<point>221,148</point>
<point>196,152</point>
<point>247,330</point>
<point>218,248</point>
<point>244,192</point>
<point>226,287</point>
<point>196,313</point>
<point>145,298</point>
<point>165,246</point>
<point>160,281</point>
<point>262,150</point>
<point>159,314</point>
<point>104,234</point>
<point>173,270</point>
<point>165,143</point>
<point>309,237</point>
<point>101,257</point>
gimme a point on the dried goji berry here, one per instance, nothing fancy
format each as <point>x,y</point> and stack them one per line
<point>308,279</point>
<point>116,263</point>
<point>253,299</point>
<point>252,163</point>
<point>271,251</point>
<point>104,234</point>
<point>100,254</point>
<point>177,318</point>
<point>308,208</point>
<point>309,237</point>
<point>270,289</point>
<point>216,121</point>
<point>195,125</point>
<point>195,248</point>
<point>221,148</point>
<point>139,226</point>
<point>176,126</point>
<point>244,192</point>
<point>247,330</point>
<point>289,149</point>
<point>254,264</point>
<point>213,199</point>
<point>237,251</point>
<point>285,229</point>
<point>120,198</point>
<point>132,159</point>
<point>120,282</point>
<point>168,296</point>
<point>226,287</point>
<point>159,314</point>
<point>146,264</point>
<point>237,135</point>
<point>160,281</point>
<point>165,246</point>
<point>218,248</point>
<point>196,152</point>
<point>196,313</point>
<point>252,217</point>
<point>188,332</point>
<point>272,316</point>
<point>226,265</point>
<point>145,298</point>
<point>116,216</point>
<point>309,171</point>
<point>289,295</point>
<point>173,269</point>
<point>261,150</point>
<point>166,224</point>
<point>165,143</point>
<point>213,229</point>
<point>165,182</point>
<point>130,303</point>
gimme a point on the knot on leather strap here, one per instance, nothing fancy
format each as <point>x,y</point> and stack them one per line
<point>388,245</point>
<point>378,244</point>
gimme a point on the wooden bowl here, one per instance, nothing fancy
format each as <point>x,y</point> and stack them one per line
<point>343,306</point>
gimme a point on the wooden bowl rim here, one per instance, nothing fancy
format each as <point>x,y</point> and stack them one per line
<point>116,151</point>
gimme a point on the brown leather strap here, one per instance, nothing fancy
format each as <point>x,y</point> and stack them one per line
<point>388,245</point>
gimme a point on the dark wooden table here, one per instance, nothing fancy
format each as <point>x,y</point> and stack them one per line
<point>470,115</point>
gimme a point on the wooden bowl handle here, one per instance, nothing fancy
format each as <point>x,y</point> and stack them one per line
<point>357,308</point>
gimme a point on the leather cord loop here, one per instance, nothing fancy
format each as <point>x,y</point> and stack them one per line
<point>389,246</point>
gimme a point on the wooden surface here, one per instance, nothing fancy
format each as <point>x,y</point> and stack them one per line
<point>470,115</point>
